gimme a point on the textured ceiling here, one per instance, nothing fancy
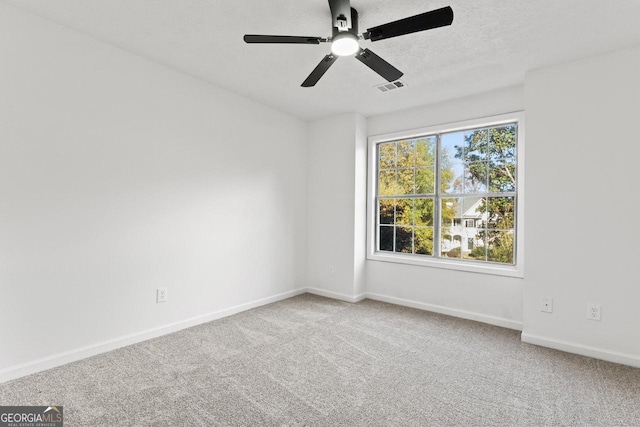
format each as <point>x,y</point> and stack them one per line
<point>491,44</point>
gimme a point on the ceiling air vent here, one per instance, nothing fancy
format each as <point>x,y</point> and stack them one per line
<point>391,86</point>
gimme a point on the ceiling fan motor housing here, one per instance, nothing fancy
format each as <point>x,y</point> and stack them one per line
<point>340,15</point>
<point>354,25</point>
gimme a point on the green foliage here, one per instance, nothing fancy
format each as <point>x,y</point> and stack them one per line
<point>404,239</point>
<point>423,241</point>
<point>500,246</point>
<point>387,211</point>
<point>407,168</point>
<point>477,253</point>
<point>448,212</point>
<point>490,157</point>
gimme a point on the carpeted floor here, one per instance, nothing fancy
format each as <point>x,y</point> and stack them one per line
<point>318,362</point>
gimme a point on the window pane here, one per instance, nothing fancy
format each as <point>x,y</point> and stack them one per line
<point>476,178</point>
<point>469,237</point>
<point>386,207</point>
<point>425,180</point>
<point>404,211</point>
<point>472,208</point>
<point>468,216</point>
<point>502,175</point>
<point>452,178</point>
<point>502,142</point>
<point>423,212</point>
<point>404,240</point>
<point>451,147</point>
<point>387,183</point>
<point>449,218</point>
<point>477,251</point>
<point>475,145</point>
<point>448,211</point>
<point>387,155</point>
<point>386,238</point>
<point>500,246</point>
<point>451,245</point>
<point>426,151</point>
<point>500,212</point>
<point>406,154</point>
<point>424,241</point>
<point>405,184</point>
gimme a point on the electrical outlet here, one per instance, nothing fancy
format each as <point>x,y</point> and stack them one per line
<point>547,305</point>
<point>162,295</point>
<point>593,312</point>
<point>332,271</point>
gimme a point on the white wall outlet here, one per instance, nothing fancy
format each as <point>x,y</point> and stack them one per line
<point>593,311</point>
<point>547,305</point>
<point>162,294</point>
<point>332,271</point>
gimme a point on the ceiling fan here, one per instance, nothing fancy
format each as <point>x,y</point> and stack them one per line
<point>345,38</point>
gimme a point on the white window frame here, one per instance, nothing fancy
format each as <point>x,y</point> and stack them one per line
<point>516,270</point>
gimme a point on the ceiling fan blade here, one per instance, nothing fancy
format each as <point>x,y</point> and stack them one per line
<point>425,21</point>
<point>257,38</point>
<point>319,71</point>
<point>340,14</point>
<point>378,65</point>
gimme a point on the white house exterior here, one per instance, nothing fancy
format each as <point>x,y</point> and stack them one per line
<point>463,230</point>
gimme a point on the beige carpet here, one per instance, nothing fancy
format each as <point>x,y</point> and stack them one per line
<point>318,362</point>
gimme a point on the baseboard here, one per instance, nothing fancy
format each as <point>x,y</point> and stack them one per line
<point>74,355</point>
<point>583,350</point>
<point>59,359</point>
<point>464,314</point>
<point>336,295</point>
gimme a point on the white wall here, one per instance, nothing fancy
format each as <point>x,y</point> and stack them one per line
<point>118,176</point>
<point>360,199</point>
<point>582,183</point>
<point>482,105</point>
<point>336,206</point>
<point>492,299</point>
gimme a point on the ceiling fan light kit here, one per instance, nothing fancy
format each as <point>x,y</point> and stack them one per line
<point>345,44</point>
<point>345,38</point>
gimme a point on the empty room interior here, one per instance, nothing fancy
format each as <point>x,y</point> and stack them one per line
<point>318,213</point>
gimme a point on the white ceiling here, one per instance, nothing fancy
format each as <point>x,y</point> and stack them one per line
<point>491,44</point>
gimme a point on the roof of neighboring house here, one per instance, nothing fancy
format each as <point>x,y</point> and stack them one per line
<point>468,208</point>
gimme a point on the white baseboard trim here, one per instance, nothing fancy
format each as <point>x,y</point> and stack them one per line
<point>63,358</point>
<point>74,355</point>
<point>464,314</point>
<point>336,295</point>
<point>583,350</point>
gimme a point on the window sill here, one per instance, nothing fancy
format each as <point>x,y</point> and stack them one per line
<point>449,264</point>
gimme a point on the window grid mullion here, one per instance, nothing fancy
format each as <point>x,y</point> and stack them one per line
<point>395,204</point>
<point>437,249</point>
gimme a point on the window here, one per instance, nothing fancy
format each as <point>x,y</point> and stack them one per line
<point>449,196</point>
